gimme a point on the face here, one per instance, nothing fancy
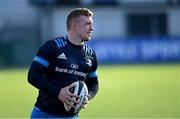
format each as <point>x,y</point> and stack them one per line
<point>84,27</point>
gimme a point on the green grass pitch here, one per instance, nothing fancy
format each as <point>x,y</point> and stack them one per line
<point>126,91</point>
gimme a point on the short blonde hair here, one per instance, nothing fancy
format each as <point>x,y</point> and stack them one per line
<point>75,13</point>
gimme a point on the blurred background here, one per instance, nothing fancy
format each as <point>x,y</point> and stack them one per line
<point>138,30</point>
<point>137,44</point>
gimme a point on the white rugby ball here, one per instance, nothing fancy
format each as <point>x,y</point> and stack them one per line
<point>79,88</point>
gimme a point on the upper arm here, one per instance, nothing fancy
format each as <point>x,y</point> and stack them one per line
<point>45,54</point>
<point>93,72</point>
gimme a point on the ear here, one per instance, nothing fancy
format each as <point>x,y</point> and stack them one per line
<point>74,26</point>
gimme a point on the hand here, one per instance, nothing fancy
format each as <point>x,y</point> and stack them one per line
<point>67,97</point>
<point>84,105</point>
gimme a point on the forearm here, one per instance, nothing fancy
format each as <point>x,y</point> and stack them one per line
<point>37,77</point>
<point>93,86</point>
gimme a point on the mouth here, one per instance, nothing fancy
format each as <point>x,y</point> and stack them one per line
<point>89,33</point>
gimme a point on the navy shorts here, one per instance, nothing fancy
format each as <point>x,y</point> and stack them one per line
<point>37,113</point>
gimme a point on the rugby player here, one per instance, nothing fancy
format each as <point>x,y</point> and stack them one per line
<point>62,61</point>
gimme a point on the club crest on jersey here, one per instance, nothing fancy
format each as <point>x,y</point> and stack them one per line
<point>89,62</point>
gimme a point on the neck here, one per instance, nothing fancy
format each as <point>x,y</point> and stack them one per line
<point>74,39</point>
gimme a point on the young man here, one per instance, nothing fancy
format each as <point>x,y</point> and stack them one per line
<point>62,61</point>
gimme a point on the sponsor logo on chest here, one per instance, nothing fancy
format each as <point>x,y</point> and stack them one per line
<point>71,72</point>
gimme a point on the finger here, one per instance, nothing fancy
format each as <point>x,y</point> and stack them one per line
<point>73,100</point>
<point>68,87</point>
<point>73,95</point>
<point>84,106</point>
<point>88,96</point>
<point>69,103</point>
<point>87,102</point>
<point>72,85</point>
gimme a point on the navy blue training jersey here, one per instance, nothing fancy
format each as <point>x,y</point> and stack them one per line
<point>57,64</point>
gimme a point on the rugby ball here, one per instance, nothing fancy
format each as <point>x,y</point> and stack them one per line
<point>78,88</point>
